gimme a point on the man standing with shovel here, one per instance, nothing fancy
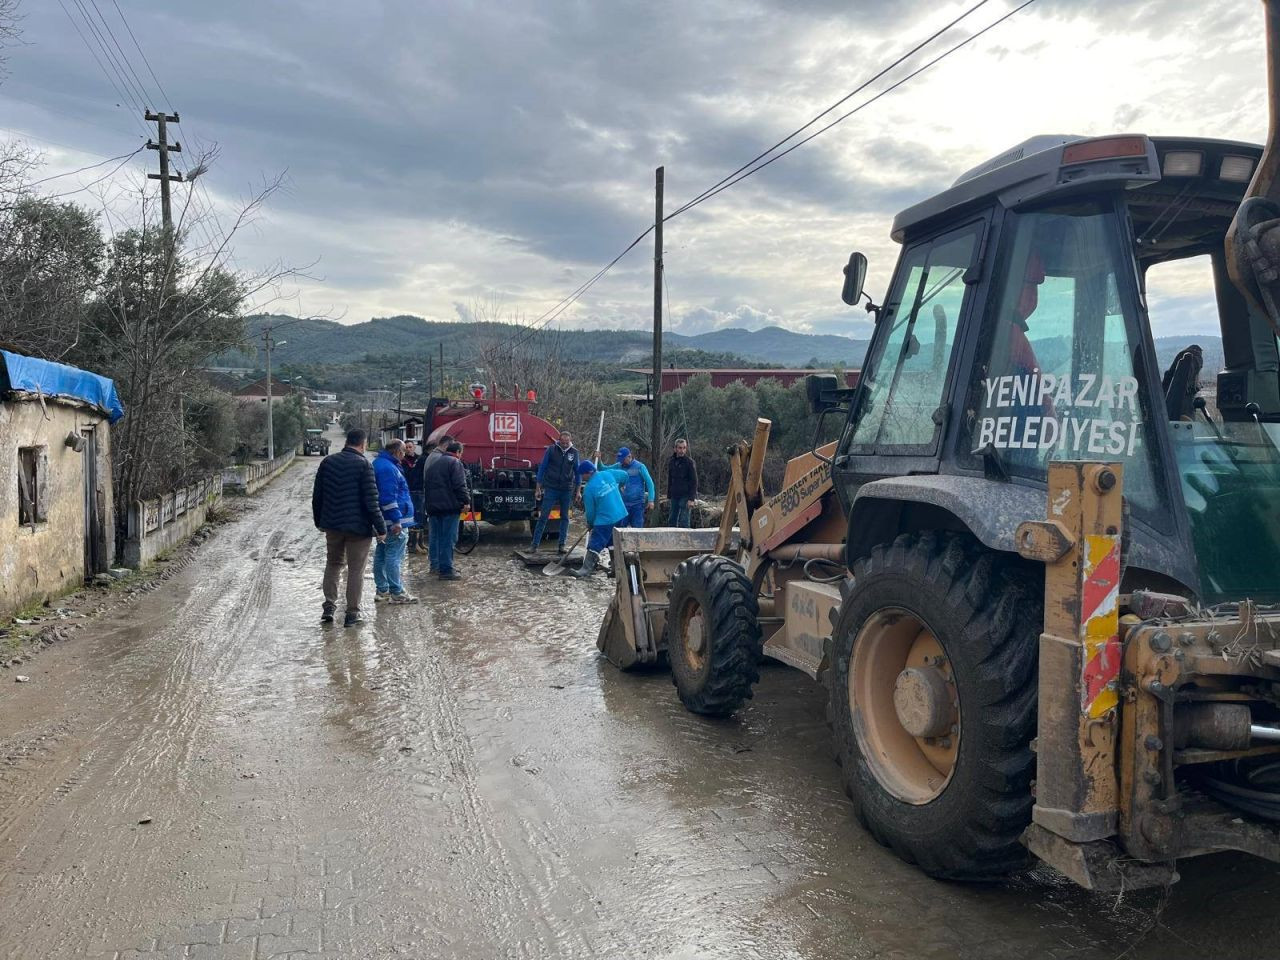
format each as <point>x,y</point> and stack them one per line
<point>556,486</point>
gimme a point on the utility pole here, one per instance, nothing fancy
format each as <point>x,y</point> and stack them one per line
<point>442,387</point>
<point>164,176</point>
<point>431,382</point>
<point>655,442</point>
<point>271,434</point>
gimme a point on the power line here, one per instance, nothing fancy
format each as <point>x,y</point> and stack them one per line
<point>130,95</point>
<point>139,86</point>
<point>114,86</point>
<point>47,108</point>
<point>568,301</point>
<point>160,86</point>
<point>22,134</point>
<point>92,166</point>
<point>845,116</point>
<point>845,99</point>
<point>119,55</point>
<point>747,169</point>
<point>88,186</point>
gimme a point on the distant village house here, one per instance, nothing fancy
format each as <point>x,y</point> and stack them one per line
<point>56,523</point>
<point>256,392</point>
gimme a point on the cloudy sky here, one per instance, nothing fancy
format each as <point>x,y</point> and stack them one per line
<point>449,157</point>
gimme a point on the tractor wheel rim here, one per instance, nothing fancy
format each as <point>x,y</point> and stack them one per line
<point>900,677</point>
<point>693,636</point>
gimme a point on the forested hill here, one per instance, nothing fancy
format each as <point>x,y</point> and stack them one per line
<point>326,342</point>
<point>329,343</point>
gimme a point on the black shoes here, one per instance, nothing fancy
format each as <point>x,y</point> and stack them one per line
<point>326,612</point>
<point>352,618</point>
<point>451,575</point>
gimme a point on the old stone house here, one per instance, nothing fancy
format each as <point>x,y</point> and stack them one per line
<point>56,524</point>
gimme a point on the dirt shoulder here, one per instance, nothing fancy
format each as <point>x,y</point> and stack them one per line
<point>33,630</point>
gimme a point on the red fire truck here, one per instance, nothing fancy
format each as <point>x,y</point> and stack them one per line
<point>503,441</point>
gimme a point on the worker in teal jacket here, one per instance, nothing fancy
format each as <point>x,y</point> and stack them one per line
<point>602,504</point>
<point>638,493</point>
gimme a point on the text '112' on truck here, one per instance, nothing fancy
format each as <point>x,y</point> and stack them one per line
<point>1038,573</point>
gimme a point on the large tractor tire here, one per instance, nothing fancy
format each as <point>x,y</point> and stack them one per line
<point>932,700</point>
<point>713,635</point>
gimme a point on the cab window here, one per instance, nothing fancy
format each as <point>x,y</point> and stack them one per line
<point>1060,378</point>
<point>905,376</point>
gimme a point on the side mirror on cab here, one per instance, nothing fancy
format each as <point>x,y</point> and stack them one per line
<point>820,392</point>
<point>855,275</point>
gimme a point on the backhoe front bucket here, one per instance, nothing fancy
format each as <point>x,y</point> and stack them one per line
<point>643,562</point>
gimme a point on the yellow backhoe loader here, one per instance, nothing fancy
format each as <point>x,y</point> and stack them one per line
<point>1037,575</point>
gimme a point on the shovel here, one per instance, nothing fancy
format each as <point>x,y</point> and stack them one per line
<point>557,568</point>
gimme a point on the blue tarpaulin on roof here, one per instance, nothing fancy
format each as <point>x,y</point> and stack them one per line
<point>21,374</point>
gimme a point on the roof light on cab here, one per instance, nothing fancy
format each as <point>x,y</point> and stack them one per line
<point>1104,148</point>
<point>1182,163</point>
<point>1236,169</point>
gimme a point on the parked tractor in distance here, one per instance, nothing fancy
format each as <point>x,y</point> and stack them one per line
<point>1053,626</point>
<point>315,444</point>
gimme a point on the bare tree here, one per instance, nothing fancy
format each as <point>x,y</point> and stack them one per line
<point>169,301</point>
<point>524,360</point>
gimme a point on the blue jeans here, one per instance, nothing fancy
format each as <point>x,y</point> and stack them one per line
<point>679,512</point>
<point>444,537</point>
<point>635,515</point>
<point>388,557</point>
<point>601,537</point>
<point>552,498</point>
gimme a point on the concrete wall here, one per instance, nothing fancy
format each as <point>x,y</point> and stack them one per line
<point>252,477</point>
<point>47,559</point>
<point>157,526</point>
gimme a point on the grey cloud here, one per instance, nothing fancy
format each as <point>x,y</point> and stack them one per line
<point>536,125</point>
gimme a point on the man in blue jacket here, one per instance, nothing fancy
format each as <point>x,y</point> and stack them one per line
<point>397,512</point>
<point>557,482</point>
<point>639,493</point>
<point>602,503</point>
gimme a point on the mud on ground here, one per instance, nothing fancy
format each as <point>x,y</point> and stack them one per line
<point>30,631</point>
<point>209,772</point>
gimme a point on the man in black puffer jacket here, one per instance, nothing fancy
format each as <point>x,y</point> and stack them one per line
<point>446,497</point>
<point>344,504</point>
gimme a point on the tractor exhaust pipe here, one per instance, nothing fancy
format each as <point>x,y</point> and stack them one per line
<point>1253,240</point>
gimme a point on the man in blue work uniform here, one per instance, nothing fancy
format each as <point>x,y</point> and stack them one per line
<point>602,504</point>
<point>639,493</point>
<point>556,484</point>
<point>397,511</point>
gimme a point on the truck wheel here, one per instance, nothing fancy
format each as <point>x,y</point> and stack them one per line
<point>468,536</point>
<point>932,700</point>
<point>713,635</point>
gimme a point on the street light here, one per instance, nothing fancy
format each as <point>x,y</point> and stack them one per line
<point>400,399</point>
<point>271,436</point>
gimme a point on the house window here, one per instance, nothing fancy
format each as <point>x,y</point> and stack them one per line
<point>33,467</point>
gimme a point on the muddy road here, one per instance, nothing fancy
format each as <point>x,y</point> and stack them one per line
<point>466,778</point>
